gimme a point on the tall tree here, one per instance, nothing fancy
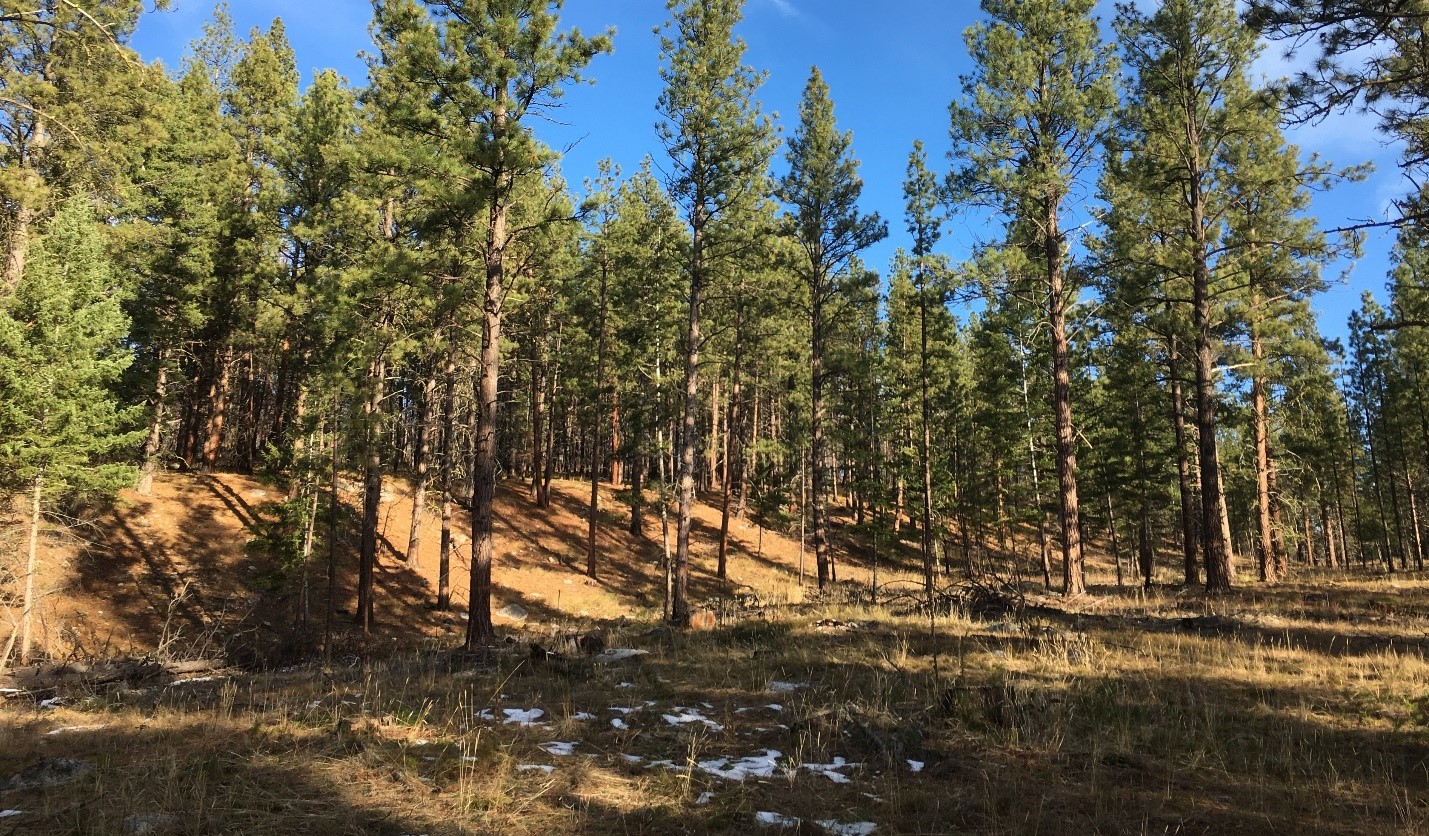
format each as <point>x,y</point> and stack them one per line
<point>486,67</point>
<point>719,147</point>
<point>62,430</point>
<point>925,225</point>
<point>1029,127</point>
<point>822,189</point>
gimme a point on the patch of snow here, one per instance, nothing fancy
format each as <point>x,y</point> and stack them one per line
<point>52,702</point>
<point>620,710</point>
<point>705,798</point>
<point>754,766</point>
<point>537,767</point>
<point>522,716</point>
<point>631,759</point>
<point>560,749</point>
<point>706,706</point>
<point>619,723</point>
<point>626,685</point>
<point>5,814</point>
<point>835,828</point>
<point>583,715</point>
<point>690,715</point>
<point>831,770</point>
<point>877,798</point>
<point>70,729</point>
<point>667,764</point>
<point>196,679</point>
<point>775,819</point>
<point>779,687</point>
<point>915,766</point>
<point>620,654</point>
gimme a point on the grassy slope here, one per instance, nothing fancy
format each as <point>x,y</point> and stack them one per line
<point>1300,709</point>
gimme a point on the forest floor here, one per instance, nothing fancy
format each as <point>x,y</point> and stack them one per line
<point>1301,708</point>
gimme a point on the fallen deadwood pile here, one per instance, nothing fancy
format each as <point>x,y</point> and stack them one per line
<point>35,681</point>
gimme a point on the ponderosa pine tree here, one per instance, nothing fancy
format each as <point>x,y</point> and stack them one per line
<point>62,430</point>
<point>1187,115</point>
<point>822,190</point>
<point>925,225</point>
<point>1028,129</point>
<point>719,147</point>
<point>484,67</point>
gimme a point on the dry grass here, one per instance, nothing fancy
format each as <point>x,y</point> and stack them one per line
<point>1098,724</point>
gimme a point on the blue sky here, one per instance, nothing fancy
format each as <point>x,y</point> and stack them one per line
<point>892,67</point>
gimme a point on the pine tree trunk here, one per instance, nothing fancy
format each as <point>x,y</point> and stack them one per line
<point>420,454</point>
<point>689,432</point>
<point>925,438</point>
<point>445,461</point>
<point>219,392</point>
<point>1214,541</point>
<point>733,455</point>
<point>371,492</point>
<point>480,631</point>
<point>158,402</point>
<point>1073,580</point>
<point>539,362</point>
<point>1260,425</point>
<point>818,474</point>
<point>597,447</point>
<point>32,564</point>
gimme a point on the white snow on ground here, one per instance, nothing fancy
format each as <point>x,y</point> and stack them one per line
<point>775,819</point>
<point>72,729</point>
<point>779,687</point>
<point>915,766</point>
<point>618,723</point>
<point>626,685</point>
<point>537,767</point>
<point>561,749</point>
<point>617,709</point>
<point>619,654</point>
<point>5,814</point>
<point>522,716</point>
<point>754,766</point>
<point>705,798</point>
<point>632,759</point>
<point>690,715</point>
<point>52,702</point>
<point>583,715</point>
<point>835,828</point>
<point>196,680</point>
<point>830,770</point>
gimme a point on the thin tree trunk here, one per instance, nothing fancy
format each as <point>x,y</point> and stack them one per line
<point>599,422</point>
<point>733,435</point>
<point>158,402</point>
<point>689,432</point>
<point>218,407</point>
<point>444,558</point>
<point>371,491</point>
<point>818,475</point>
<point>32,561</point>
<point>420,454</point>
<point>925,442</point>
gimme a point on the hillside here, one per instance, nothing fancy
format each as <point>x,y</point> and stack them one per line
<point>183,570</point>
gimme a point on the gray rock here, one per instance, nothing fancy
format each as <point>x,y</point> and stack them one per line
<point>50,772</point>
<point>515,612</point>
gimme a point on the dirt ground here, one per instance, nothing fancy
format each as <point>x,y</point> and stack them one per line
<point>178,571</point>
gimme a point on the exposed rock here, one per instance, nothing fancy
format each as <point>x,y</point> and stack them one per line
<point>50,772</point>
<point>515,612</point>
